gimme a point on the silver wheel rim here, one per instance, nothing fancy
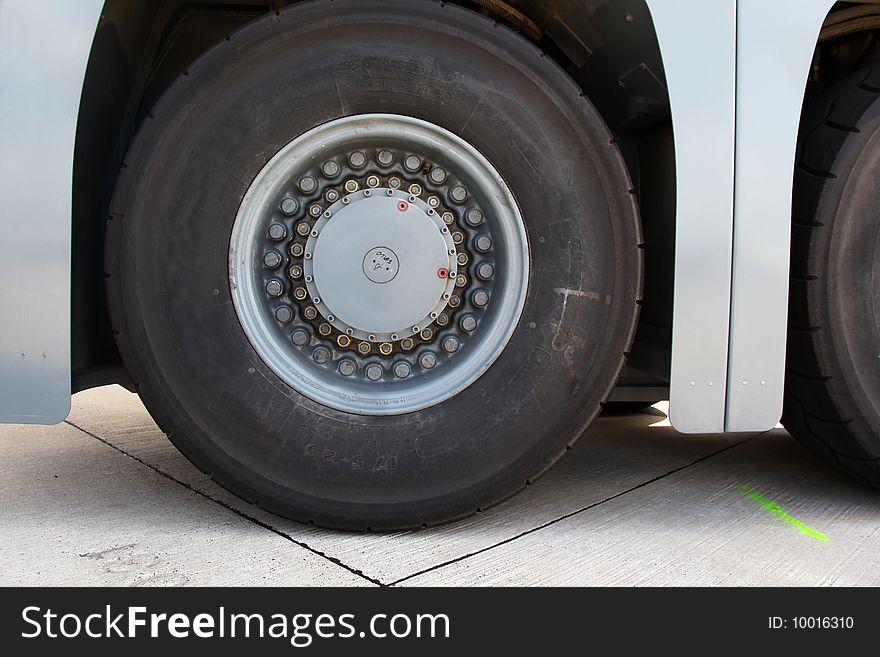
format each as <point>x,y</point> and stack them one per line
<point>378,264</point>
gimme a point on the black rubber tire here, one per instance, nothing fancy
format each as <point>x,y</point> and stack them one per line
<point>626,408</point>
<point>167,249</point>
<point>832,401</point>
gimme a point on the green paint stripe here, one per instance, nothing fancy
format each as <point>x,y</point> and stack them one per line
<point>775,509</point>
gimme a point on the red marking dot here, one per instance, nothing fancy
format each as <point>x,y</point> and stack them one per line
<point>403,206</point>
<point>443,273</point>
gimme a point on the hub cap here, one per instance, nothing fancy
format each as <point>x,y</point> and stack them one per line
<point>378,264</point>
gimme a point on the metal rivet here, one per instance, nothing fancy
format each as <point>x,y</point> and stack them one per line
<point>277,232</point>
<point>450,345</point>
<point>308,185</point>
<point>483,243</point>
<point>289,206</point>
<point>459,194</point>
<point>468,323</point>
<point>347,367</point>
<point>428,360</point>
<point>274,288</point>
<point>284,314</point>
<point>412,163</point>
<point>357,160</point>
<point>480,298</point>
<point>486,271</point>
<point>374,372</point>
<point>474,217</point>
<point>438,175</point>
<point>321,355</point>
<point>330,169</point>
<point>272,259</point>
<point>300,337</point>
<point>402,369</point>
<point>385,158</point>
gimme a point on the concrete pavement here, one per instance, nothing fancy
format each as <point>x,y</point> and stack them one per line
<point>105,499</point>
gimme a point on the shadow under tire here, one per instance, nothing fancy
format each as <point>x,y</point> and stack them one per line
<point>167,260</point>
<point>832,391</point>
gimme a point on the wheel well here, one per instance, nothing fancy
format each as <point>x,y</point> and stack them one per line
<point>141,48</point>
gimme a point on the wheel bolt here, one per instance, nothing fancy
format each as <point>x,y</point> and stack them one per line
<point>364,348</point>
<point>442,319</point>
<point>451,345</point>
<point>357,160</point>
<point>351,186</point>
<point>385,158</point>
<point>462,259</point>
<point>373,181</point>
<point>426,335</point>
<point>300,294</point>
<point>386,348</point>
<point>457,237</point>
<point>468,324</point>
<point>455,302</point>
<point>402,370</point>
<point>374,372</point>
<point>486,271</point>
<point>461,281</point>
<point>324,329</point>
<point>272,259</point>
<point>330,169</point>
<point>412,163</point>
<point>321,355</point>
<point>428,360</point>
<point>303,229</point>
<point>295,272</point>
<point>300,337</point>
<point>395,183</point>
<point>448,218</point>
<point>415,189</point>
<point>296,250</point>
<point>274,288</point>
<point>434,201</point>
<point>480,298</point>
<point>284,314</point>
<point>407,344</point>
<point>474,217</point>
<point>343,341</point>
<point>310,313</point>
<point>331,196</point>
<point>308,185</point>
<point>289,206</point>
<point>483,243</point>
<point>277,232</point>
<point>347,367</point>
<point>438,175</point>
<point>316,211</point>
<point>458,194</point>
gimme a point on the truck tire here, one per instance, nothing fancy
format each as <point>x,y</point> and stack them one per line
<point>832,402</point>
<point>313,183</point>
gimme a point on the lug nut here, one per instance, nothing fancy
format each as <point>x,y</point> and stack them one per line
<point>300,337</point>
<point>451,345</point>
<point>407,344</point>
<point>374,372</point>
<point>438,175</point>
<point>415,189</point>
<point>295,272</point>
<point>486,271</point>
<point>272,259</point>
<point>483,243</point>
<point>321,355</point>
<point>385,158</point>
<point>448,218</point>
<point>297,250</point>
<point>308,185</point>
<point>274,288</point>
<point>462,259</point>
<point>428,360</point>
<point>310,313</point>
<point>395,183</point>
<point>351,186</point>
<point>331,196</point>
<point>455,302</point>
<point>458,194</point>
<point>289,206</point>
<point>277,232</point>
<point>284,314</point>
<point>303,229</point>
<point>426,335</point>
<point>468,324</point>
<point>412,163</point>
<point>347,367</point>
<point>330,168</point>
<point>373,181</point>
<point>357,160</point>
<point>442,319</point>
<point>402,369</point>
<point>364,348</point>
<point>461,281</point>
<point>457,237</point>
<point>474,217</point>
<point>324,329</point>
<point>343,341</point>
<point>434,201</point>
<point>300,294</point>
<point>316,211</point>
<point>386,348</point>
<point>480,298</point>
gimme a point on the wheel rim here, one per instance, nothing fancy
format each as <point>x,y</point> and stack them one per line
<point>378,264</point>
